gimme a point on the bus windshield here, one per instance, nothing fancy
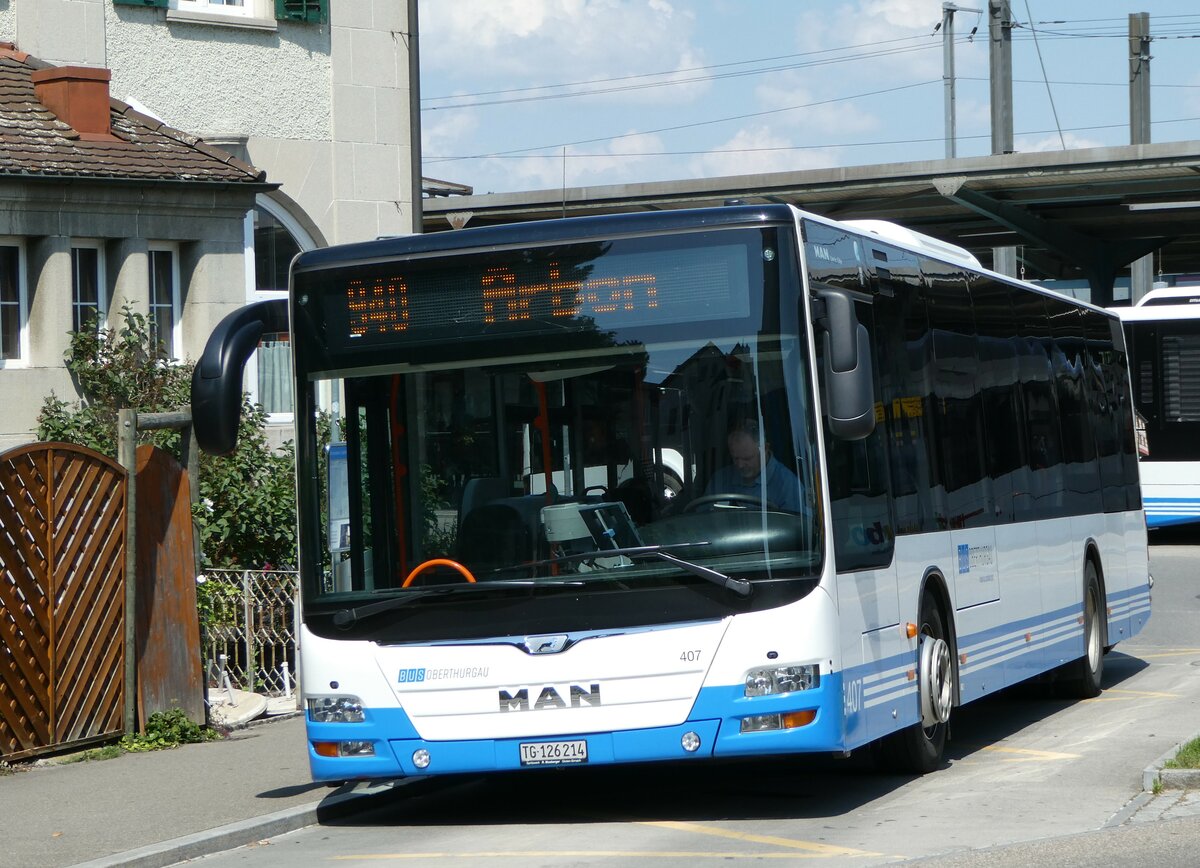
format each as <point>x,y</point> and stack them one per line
<point>657,458</point>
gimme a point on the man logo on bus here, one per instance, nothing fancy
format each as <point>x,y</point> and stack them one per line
<point>546,644</point>
<point>549,698</point>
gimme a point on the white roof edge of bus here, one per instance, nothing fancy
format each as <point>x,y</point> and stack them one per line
<point>1157,312</point>
<point>889,231</point>
<point>919,242</point>
<point>1187,292</point>
<point>1144,312</point>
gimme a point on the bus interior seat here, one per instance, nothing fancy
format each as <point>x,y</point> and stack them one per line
<point>491,537</point>
<point>480,490</point>
<point>505,531</point>
<point>638,498</point>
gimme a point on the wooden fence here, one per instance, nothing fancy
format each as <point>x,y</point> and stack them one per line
<point>62,584</point>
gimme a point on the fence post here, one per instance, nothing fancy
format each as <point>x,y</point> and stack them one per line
<point>296,621</point>
<point>248,623</point>
<point>127,454</point>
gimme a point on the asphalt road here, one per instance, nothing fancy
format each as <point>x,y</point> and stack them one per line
<point>1029,779</point>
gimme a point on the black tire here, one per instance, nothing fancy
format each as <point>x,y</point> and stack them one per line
<point>918,749</point>
<point>1080,679</point>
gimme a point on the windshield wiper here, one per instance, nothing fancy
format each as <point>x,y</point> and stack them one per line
<point>741,587</point>
<point>346,618</point>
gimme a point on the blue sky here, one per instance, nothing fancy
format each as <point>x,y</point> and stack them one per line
<point>632,91</point>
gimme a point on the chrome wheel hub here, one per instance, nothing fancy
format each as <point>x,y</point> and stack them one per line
<point>935,679</point>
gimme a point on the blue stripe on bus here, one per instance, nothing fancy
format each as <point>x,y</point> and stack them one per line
<point>1167,511</point>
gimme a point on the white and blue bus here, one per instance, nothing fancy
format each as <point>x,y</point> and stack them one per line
<point>904,483</point>
<point>1163,335</point>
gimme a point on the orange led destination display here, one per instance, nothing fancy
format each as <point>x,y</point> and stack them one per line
<point>479,294</point>
<point>381,306</point>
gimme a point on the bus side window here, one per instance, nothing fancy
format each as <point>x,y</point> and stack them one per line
<point>1000,377</point>
<point>904,356</point>
<point>958,405</point>
<point>1082,469</point>
<point>1039,409</point>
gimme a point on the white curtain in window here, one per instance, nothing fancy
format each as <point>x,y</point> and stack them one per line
<point>275,376</point>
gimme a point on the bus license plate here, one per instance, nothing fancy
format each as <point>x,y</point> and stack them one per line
<point>546,753</point>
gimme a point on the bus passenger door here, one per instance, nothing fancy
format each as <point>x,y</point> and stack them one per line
<point>868,602</point>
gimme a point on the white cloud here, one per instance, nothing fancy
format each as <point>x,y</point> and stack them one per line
<point>445,134</point>
<point>545,42</point>
<point>818,119</point>
<point>757,150</point>
<point>627,159</point>
<point>1051,142</point>
<point>892,31</point>
<point>633,156</point>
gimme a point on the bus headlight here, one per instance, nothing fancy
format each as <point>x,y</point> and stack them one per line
<point>782,679</point>
<point>334,749</point>
<point>335,709</point>
<point>772,722</point>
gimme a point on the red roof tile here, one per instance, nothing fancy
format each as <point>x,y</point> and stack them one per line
<point>34,142</point>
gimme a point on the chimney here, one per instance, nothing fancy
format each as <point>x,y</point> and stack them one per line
<point>78,95</point>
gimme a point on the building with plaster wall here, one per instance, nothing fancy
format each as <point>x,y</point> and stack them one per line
<point>315,93</point>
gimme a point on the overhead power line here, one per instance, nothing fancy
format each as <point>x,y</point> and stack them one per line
<point>508,155</point>
<point>1045,78</point>
<point>681,81</point>
<point>640,75</point>
<point>741,117</point>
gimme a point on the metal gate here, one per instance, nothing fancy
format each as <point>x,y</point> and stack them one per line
<point>62,584</point>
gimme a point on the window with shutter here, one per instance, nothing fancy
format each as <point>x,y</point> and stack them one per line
<point>312,11</point>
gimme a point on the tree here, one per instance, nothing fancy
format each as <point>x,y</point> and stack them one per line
<point>247,514</point>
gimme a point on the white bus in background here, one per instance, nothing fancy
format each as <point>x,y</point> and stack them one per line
<point>1162,332</point>
<point>955,503</point>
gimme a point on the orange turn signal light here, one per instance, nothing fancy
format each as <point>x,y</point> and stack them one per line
<point>326,748</point>
<point>794,719</point>
<point>910,630</point>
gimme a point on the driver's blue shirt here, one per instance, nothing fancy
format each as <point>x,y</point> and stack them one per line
<point>782,488</point>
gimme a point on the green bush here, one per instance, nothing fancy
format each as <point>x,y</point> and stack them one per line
<point>247,514</point>
<point>167,729</point>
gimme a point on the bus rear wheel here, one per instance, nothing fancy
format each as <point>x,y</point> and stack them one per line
<point>918,749</point>
<point>1080,679</point>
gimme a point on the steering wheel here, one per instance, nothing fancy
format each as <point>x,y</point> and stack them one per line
<point>438,562</point>
<point>748,499</point>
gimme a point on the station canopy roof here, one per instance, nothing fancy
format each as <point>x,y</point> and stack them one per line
<point>1082,214</point>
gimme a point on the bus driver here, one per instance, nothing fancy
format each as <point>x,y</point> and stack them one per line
<point>754,473</point>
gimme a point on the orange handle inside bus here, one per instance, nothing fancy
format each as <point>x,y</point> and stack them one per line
<point>438,562</point>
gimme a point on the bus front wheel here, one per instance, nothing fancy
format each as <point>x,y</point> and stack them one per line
<point>918,748</point>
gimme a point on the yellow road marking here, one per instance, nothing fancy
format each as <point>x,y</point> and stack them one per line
<point>813,849</point>
<point>1182,653</point>
<point>811,846</point>
<point>1028,755</point>
<point>1142,692</point>
<point>584,854</point>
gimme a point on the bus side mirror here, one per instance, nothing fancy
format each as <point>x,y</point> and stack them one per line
<point>217,378</point>
<point>849,379</point>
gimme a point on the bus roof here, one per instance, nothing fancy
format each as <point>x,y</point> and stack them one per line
<point>575,229</point>
<point>541,232</point>
<point>1166,303</point>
